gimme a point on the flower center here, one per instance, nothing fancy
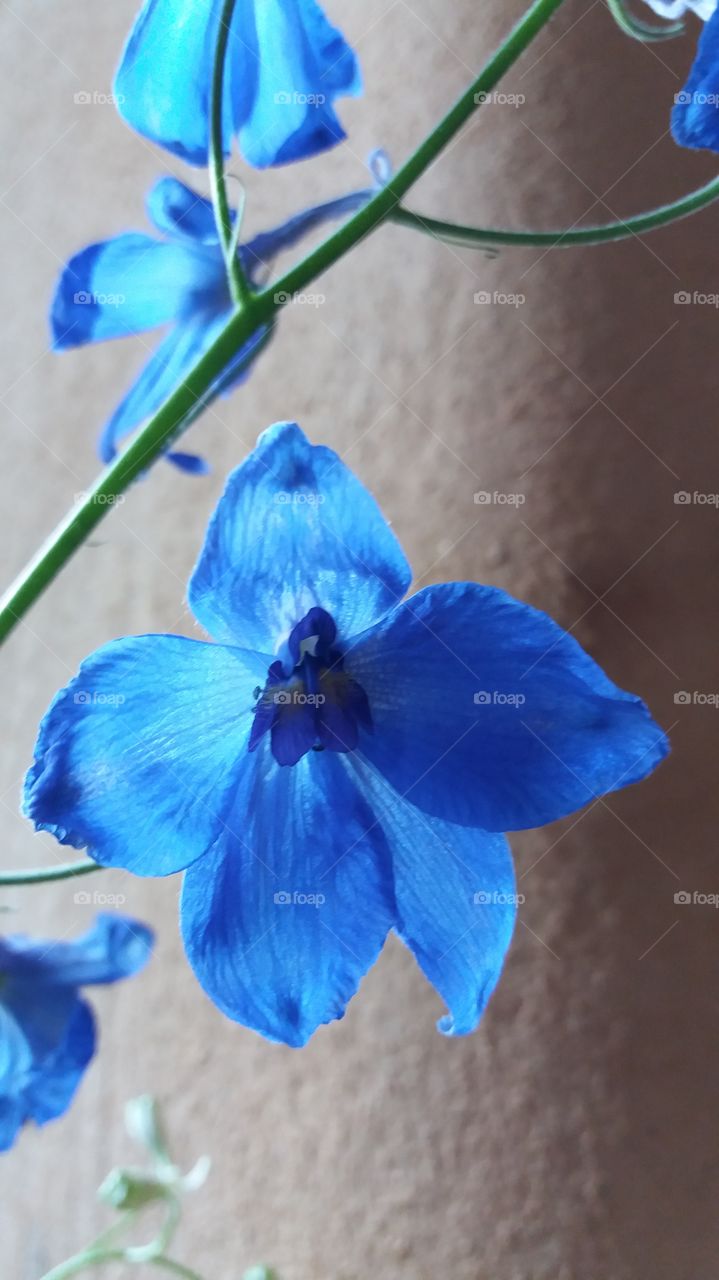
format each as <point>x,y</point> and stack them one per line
<point>309,702</point>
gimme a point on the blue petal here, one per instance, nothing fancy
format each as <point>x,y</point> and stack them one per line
<point>55,1079</point>
<point>275,48</point>
<point>12,1114</point>
<point>486,713</point>
<point>15,1055</point>
<point>298,64</point>
<point>179,212</point>
<point>137,758</point>
<point>163,82</point>
<point>456,900</point>
<point>130,284</point>
<point>294,529</point>
<point>695,118</point>
<point>281,921</point>
<point>115,947</point>
<point>167,368</point>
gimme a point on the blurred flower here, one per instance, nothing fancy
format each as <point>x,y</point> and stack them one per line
<point>47,1031</point>
<point>136,282</point>
<point>285,66</point>
<point>340,763</point>
<point>677,8</point>
<point>695,118</point>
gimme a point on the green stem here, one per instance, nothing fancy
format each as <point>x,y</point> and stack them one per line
<point>647,32</point>
<point>153,440</point>
<point>622,229</point>
<point>98,1257</point>
<point>43,875</point>
<point>239,287</point>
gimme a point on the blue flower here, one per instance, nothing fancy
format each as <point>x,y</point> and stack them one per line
<point>340,762</point>
<point>285,66</point>
<point>695,118</point>
<point>47,1031</point>
<point>136,282</point>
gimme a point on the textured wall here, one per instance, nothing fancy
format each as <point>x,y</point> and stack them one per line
<point>572,1137</point>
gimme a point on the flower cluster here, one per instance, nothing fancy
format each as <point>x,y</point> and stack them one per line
<point>47,1030</point>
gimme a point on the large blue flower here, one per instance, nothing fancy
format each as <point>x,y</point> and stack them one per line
<point>47,1031</point>
<point>135,282</point>
<point>340,762</point>
<point>695,118</point>
<point>285,66</point>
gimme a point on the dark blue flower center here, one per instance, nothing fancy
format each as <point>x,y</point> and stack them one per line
<point>310,702</point>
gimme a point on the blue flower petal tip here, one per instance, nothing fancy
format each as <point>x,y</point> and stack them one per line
<point>286,66</point>
<point>47,1030</point>
<point>340,761</point>
<point>695,118</point>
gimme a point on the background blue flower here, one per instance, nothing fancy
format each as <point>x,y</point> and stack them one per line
<point>695,118</point>
<point>341,762</point>
<point>47,1031</point>
<point>286,64</point>
<point>136,282</point>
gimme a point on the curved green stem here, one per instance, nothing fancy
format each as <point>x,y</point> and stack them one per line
<point>239,287</point>
<point>622,229</point>
<point>153,440</point>
<point>43,875</point>
<point>98,1257</point>
<point>647,32</point>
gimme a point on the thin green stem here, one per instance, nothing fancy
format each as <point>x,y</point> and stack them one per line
<point>44,875</point>
<point>622,229</point>
<point>239,286</point>
<point>647,32</point>
<point>98,1257</point>
<point>153,440</point>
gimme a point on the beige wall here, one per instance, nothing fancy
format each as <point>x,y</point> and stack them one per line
<point>573,1137</point>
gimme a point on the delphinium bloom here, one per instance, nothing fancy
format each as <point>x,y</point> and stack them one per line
<point>136,282</point>
<point>341,762</point>
<point>47,1030</point>
<point>286,65</point>
<point>695,118</point>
